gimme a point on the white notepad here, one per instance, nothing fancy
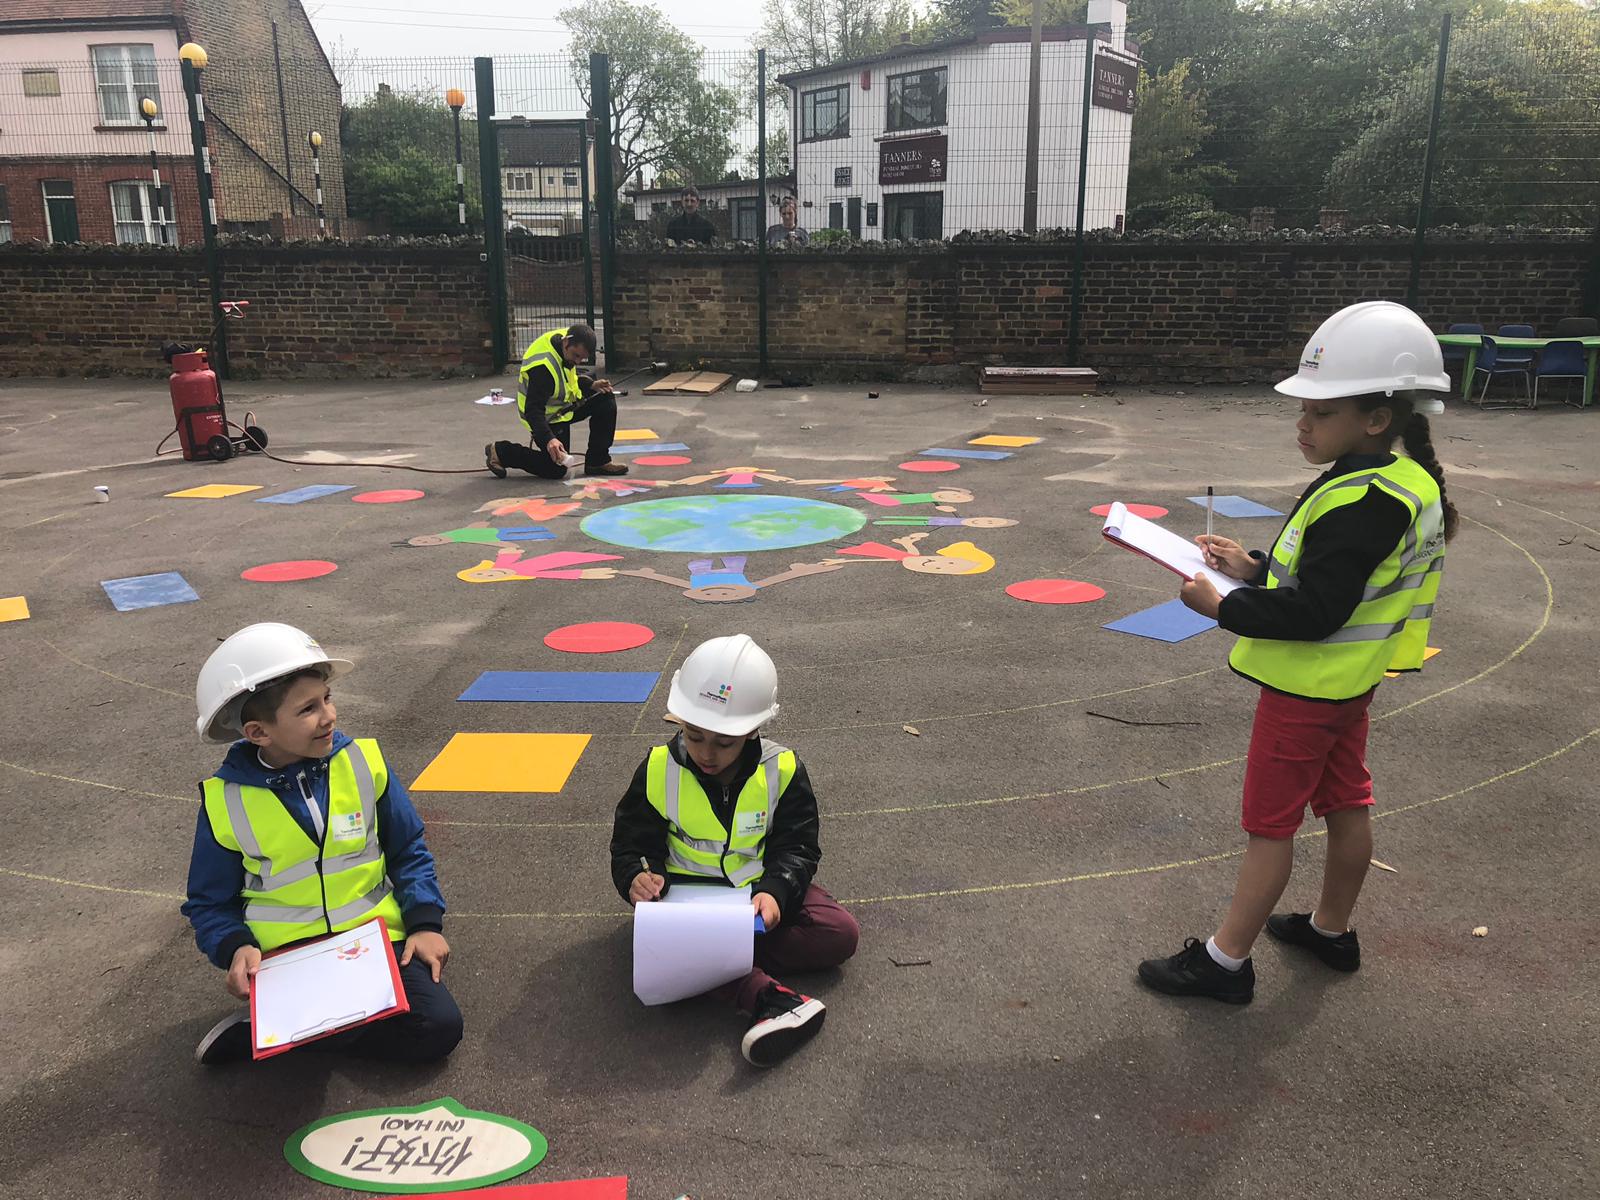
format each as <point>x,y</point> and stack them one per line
<point>691,940</point>
<point>1161,545</point>
<point>324,986</point>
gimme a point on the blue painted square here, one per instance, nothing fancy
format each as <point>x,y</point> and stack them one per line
<point>992,455</point>
<point>311,491</point>
<point>1237,506</point>
<point>1169,622</point>
<point>149,591</point>
<point>646,447</point>
<point>527,533</point>
<point>580,687</point>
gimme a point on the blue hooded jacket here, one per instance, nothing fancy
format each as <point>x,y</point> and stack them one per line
<point>216,874</point>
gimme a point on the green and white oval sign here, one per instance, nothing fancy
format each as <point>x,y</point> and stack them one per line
<point>439,1146</point>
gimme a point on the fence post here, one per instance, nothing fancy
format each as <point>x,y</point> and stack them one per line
<point>588,224</point>
<point>605,184</point>
<point>283,121</point>
<point>494,224</point>
<point>1074,336</point>
<point>1030,182</point>
<point>1414,285</point>
<point>194,62</point>
<point>761,211</point>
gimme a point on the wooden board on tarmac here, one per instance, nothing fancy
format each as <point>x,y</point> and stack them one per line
<point>693,383</point>
<point>1039,381</point>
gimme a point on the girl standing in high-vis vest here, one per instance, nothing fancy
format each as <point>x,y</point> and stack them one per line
<point>1346,594</point>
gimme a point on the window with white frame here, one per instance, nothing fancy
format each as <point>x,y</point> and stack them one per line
<point>825,113</point>
<point>5,215</point>
<point>917,99</point>
<point>133,207</point>
<point>569,178</point>
<point>125,75</point>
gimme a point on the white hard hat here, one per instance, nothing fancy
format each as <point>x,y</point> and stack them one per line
<point>1375,346</point>
<point>257,654</point>
<point>727,685</point>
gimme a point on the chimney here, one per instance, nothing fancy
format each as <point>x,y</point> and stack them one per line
<point>1262,219</point>
<point>1333,219</point>
<point>1113,13</point>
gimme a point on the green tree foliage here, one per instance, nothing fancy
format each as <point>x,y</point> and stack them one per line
<point>671,123</point>
<point>399,163</point>
<point>1167,186</point>
<point>801,34</point>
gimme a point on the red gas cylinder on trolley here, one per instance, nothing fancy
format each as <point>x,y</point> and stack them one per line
<point>197,408</point>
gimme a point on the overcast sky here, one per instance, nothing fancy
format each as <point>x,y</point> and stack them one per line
<point>408,28</point>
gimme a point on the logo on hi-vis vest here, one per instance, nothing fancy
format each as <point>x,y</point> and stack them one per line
<point>1289,540</point>
<point>1313,361</point>
<point>721,695</point>
<point>347,826</point>
<point>750,824</point>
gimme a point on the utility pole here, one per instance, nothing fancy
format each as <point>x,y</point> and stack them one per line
<point>1030,184</point>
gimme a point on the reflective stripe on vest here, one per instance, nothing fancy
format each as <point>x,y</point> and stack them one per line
<point>542,355</point>
<point>1389,628</point>
<point>698,843</point>
<point>294,888</point>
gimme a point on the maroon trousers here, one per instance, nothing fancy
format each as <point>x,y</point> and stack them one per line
<point>819,936</point>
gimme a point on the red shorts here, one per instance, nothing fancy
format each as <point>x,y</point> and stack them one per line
<point>1304,752</point>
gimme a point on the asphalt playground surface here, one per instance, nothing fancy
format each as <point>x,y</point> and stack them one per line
<point>1009,863</point>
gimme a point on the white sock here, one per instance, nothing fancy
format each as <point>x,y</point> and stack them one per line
<point>1226,961</point>
<point>1327,933</point>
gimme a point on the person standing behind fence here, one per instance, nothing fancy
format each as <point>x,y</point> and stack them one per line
<point>551,395</point>
<point>787,232</point>
<point>689,225</point>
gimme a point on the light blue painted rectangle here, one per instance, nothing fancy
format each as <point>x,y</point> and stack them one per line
<point>582,687</point>
<point>992,455</point>
<point>1236,506</point>
<point>311,491</point>
<point>1173,621</point>
<point>646,447</point>
<point>149,591</point>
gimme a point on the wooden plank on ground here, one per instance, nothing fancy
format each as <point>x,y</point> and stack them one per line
<point>669,383</point>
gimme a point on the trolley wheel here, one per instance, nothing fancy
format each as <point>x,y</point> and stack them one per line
<point>220,448</point>
<point>255,437</point>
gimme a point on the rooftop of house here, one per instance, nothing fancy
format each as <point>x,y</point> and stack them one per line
<point>68,12</point>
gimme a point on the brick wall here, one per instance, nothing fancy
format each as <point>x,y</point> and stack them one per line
<point>1233,312</point>
<point>316,311</point>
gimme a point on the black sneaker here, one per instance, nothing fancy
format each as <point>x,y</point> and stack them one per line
<point>490,461</point>
<point>1342,953</point>
<point>785,1021</point>
<point>1193,972</point>
<point>609,468</point>
<point>228,1041</point>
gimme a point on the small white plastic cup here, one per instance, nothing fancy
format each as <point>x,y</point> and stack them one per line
<point>102,494</point>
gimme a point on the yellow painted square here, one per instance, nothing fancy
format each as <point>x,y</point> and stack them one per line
<point>1001,439</point>
<point>503,762</point>
<point>636,435</point>
<point>1426,655</point>
<point>14,608</point>
<point>214,491</point>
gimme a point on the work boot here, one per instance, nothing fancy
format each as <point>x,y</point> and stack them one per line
<point>609,468</point>
<point>492,462</point>
<point>1342,953</point>
<point>1193,972</point>
<point>784,1021</point>
<point>228,1041</point>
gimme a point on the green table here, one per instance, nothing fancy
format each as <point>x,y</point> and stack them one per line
<point>1473,342</point>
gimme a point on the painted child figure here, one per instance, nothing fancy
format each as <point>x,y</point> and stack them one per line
<point>1346,594</point>
<point>721,804</point>
<point>304,832</point>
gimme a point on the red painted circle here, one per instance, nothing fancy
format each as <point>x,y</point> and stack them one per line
<point>598,637</point>
<point>392,496</point>
<point>1150,512</point>
<point>288,572</point>
<point>1055,591</point>
<point>662,460</point>
<point>930,466</point>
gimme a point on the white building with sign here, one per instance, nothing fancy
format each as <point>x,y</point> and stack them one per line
<point>926,141</point>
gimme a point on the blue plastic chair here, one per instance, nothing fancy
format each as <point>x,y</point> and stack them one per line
<point>1491,363</point>
<point>1523,358</point>
<point>1458,354</point>
<point>1561,360</point>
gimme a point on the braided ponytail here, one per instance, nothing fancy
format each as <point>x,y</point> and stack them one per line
<point>1418,441</point>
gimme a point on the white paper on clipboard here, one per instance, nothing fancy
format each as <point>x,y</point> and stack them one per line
<point>323,986</point>
<point>691,940</point>
<point>1161,545</point>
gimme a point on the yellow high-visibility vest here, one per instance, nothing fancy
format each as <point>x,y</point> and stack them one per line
<point>542,355</point>
<point>698,843</point>
<point>294,888</point>
<point>1388,631</point>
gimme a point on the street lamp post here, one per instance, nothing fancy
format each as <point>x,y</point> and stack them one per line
<point>148,109</point>
<point>315,139</point>
<point>456,98</point>
<point>194,65</point>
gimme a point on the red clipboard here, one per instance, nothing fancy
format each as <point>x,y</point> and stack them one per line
<point>349,936</point>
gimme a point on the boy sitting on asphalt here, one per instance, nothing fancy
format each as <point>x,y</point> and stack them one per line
<point>302,833</point>
<point>721,804</point>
